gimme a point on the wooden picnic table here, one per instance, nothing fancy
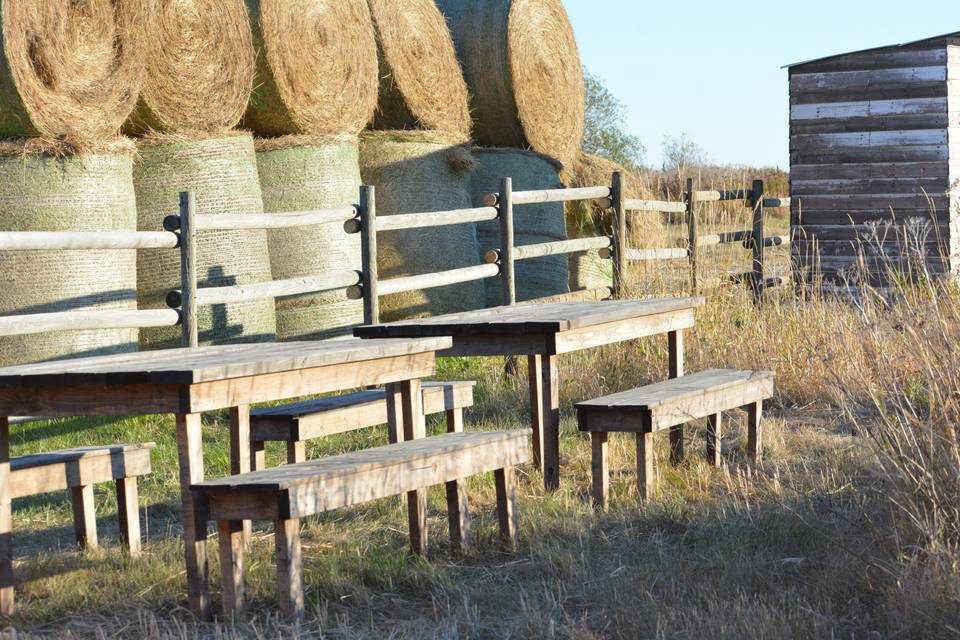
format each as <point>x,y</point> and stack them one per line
<point>542,332</point>
<point>188,382</point>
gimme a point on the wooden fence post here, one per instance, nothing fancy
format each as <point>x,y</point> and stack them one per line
<point>370,276</point>
<point>618,198</point>
<point>757,276</point>
<point>692,233</point>
<point>188,269</point>
<point>505,218</point>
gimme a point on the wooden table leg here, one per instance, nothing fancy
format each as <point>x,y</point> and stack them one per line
<point>458,509</point>
<point>755,431</point>
<point>599,469</point>
<point>549,392</point>
<point>535,375</point>
<point>240,451</point>
<point>414,426</point>
<point>190,453</point>
<point>714,438</point>
<point>675,340</point>
<point>6,522</point>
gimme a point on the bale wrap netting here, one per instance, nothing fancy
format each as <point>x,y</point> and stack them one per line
<point>316,67</point>
<point>523,69</point>
<point>44,191</point>
<point>222,174</point>
<point>421,82</point>
<point>417,172</point>
<point>199,67</point>
<point>305,173</point>
<point>70,68</point>
<point>532,223</point>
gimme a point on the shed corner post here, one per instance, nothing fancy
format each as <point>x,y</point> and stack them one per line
<point>757,271</point>
<point>188,269</point>
<point>618,198</point>
<point>505,218</point>
<point>692,233</point>
<point>368,248</point>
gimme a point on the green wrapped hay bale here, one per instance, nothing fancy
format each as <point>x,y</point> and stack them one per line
<point>414,172</point>
<point>222,173</point>
<point>304,173</point>
<point>532,223</point>
<point>53,188</point>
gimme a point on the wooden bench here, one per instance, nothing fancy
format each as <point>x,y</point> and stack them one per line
<point>297,423</point>
<point>667,406</point>
<point>78,470</point>
<point>287,493</point>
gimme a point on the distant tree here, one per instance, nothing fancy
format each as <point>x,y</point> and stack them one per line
<point>606,134</point>
<point>681,153</point>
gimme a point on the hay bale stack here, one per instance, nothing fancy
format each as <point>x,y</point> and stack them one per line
<point>303,173</point>
<point>61,189</point>
<point>533,223</point>
<point>417,172</point>
<point>586,219</point>
<point>199,68</point>
<point>222,173</point>
<point>316,67</point>
<point>70,68</point>
<point>421,83</point>
<point>523,69</point>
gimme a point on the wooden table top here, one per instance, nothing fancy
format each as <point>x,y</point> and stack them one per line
<point>526,319</point>
<point>207,364</point>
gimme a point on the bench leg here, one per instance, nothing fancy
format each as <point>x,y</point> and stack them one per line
<point>675,347</point>
<point>507,513</point>
<point>231,568</point>
<point>289,567</point>
<point>240,451</point>
<point>190,453</point>
<point>296,451</point>
<point>545,404</point>
<point>755,431</point>
<point>714,438</point>
<point>258,455</point>
<point>601,472</point>
<point>458,509</point>
<point>676,445</point>
<point>128,508</point>
<point>414,427</point>
<point>6,523</point>
<point>645,473</point>
<point>535,379</point>
<point>84,516</point>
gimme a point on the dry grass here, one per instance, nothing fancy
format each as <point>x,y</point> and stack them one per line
<point>833,536</point>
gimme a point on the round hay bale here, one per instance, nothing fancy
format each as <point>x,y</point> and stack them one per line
<point>586,219</point>
<point>199,69</point>
<point>70,67</point>
<point>421,82</point>
<point>51,189</point>
<point>316,68</point>
<point>302,173</point>
<point>533,223</point>
<point>222,173</point>
<point>523,69</point>
<point>417,172</point>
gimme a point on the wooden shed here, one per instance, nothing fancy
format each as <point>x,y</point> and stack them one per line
<point>875,161</point>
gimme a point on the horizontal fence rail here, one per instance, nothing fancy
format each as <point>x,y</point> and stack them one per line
<point>647,255</point>
<point>432,219</point>
<point>247,221</point>
<point>552,195</point>
<point>558,248</point>
<point>657,206</point>
<point>86,240</point>
<point>432,280</point>
<point>87,320</point>
<point>332,281</point>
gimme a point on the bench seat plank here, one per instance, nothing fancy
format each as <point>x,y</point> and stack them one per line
<point>55,471</point>
<point>665,404</point>
<point>314,486</point>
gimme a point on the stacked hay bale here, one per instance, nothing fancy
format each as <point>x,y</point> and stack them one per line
<point>69,78</point>
<point>523,69</point>
<point>587,219</point>
<point>316,90</point>
<point>420,171</point>
<point>533,224</point>
<point>197,87</point>
<point>423,165</point>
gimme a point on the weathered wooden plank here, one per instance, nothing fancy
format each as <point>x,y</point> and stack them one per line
<point>868,170</point>
<point>880,153</point>
<point>806,217</point>
<point>622,330</point>
<point>842,142</point>
<point>873,124</point>
<point>584,295</point>
<point>57,471</point>
<point>878,59</point>
<point>850,86</point>
<point>887,230</point>
<point>894,201</point>
<point>841,186</point>
<point>868,109</point>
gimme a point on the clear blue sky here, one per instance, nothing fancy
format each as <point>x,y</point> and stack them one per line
<point>712,69</point>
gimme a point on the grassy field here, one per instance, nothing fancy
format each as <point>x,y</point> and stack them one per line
<point>833,536</point>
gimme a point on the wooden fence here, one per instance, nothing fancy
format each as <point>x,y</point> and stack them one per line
<point>180,232</point>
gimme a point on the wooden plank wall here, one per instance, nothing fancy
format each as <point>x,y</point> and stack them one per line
<point>870,141</point>
<point>953,134</point>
